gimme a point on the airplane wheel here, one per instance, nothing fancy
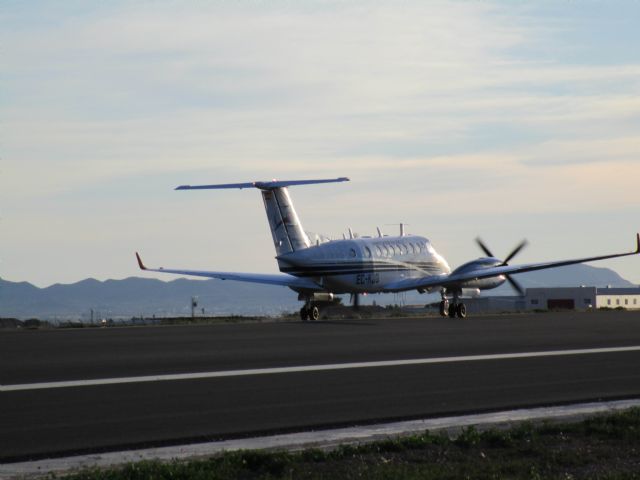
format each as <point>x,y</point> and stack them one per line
<point>461,311</point>
<point>452,310</point>
<point>444,308</point>
<point>304,314</point>
<point>314,314</point>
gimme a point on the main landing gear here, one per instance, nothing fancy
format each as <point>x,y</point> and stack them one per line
<point>310,312</point>
<point>454,309</point>
<point>313,304</point>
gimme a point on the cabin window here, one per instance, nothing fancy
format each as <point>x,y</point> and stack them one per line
<point>626,302</point>
<point>396,249</point>
<point>352,252</point>
<point>534,301</point>
<point>412,249</point>
<point>608,301</point>
<point>378,251</point>
<point>367,252</point>
<point>617,301</point>
<point>404,249</point>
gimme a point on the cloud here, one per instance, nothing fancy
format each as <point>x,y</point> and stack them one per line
<point>420,103</point>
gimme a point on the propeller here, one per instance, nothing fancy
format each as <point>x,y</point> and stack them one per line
<point>515,251</point>
<point>516,286</point>
<point>484,248</point>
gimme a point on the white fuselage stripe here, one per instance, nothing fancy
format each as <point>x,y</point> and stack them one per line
<point>309,368</point>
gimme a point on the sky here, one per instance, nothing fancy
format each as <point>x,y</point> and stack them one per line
<point>504,120</point>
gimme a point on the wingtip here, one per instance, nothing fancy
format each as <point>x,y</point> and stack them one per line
<point>140,264</point>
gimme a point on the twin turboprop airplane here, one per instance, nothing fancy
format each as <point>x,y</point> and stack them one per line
<point>319,270</point>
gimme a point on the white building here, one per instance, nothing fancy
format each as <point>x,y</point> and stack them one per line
<point>582,298</point>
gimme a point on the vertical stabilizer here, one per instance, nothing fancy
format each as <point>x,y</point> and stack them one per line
<point>286,229</point>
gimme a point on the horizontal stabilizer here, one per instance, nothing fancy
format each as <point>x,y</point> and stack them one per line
<point>262,185</point>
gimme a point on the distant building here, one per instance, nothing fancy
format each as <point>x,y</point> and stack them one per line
<point>494,304</point>
<point>581,298</point>
<point>553,298</point>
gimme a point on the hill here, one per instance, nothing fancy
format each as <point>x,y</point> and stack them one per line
<point>136,296</point>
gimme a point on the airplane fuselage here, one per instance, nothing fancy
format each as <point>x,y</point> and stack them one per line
<point>366,264</point>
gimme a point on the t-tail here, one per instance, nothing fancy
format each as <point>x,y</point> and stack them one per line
<point>286,228</point>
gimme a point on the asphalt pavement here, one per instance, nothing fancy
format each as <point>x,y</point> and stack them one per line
<point>43,420</point>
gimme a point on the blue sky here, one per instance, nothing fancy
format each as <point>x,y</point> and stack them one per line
<point>499,119</point>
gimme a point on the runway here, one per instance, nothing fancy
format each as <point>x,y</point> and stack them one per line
<point>55,398</point>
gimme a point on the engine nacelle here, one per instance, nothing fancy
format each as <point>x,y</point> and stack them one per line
<point>482,283</point>
<point>470,292</point>
<point>317,297</point>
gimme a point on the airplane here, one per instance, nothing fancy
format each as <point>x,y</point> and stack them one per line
<point>320,269</point>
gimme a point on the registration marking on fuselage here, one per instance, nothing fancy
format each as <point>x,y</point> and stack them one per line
<point>310,368</point>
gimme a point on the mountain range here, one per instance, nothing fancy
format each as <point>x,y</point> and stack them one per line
<point>148,297</point>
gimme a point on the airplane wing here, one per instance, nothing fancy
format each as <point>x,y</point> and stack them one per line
<point>456,279</point>
<point>282,279</point>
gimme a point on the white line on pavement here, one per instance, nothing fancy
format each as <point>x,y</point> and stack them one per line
<point>309,368</point>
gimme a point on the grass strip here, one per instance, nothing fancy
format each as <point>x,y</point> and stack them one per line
<point>604,447</point>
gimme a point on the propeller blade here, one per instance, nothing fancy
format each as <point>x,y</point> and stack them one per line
<point>515,251</point>
<point>484,248</point>
<point>515,285</point>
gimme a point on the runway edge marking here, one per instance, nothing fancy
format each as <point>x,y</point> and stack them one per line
<point>325,439</point>
<point>310,368</point>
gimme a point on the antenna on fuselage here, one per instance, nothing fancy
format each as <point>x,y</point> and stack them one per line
<point>402,225</point>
